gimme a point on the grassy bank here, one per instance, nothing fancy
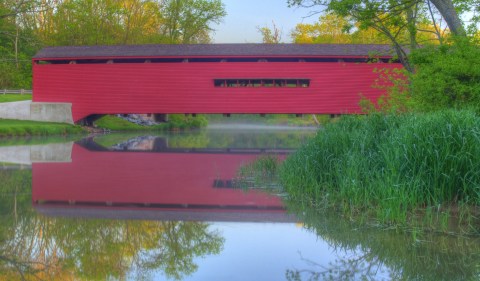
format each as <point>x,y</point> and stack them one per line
<point>32,128</point>
<point>413,170</point>
<point>11,98</point>
<point>176,122</point>
<point>269,119</point>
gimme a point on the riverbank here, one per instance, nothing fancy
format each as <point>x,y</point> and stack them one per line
<point>403,171</point>
<point>175,122</point>
<point>10,128</point>
<point>22,128</point>
<point>292,120</point>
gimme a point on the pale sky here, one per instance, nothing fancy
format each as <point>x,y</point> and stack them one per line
<point>243,17</point>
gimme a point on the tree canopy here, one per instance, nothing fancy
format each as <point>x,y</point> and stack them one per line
<point>27,25</point>
<point>401,22</point>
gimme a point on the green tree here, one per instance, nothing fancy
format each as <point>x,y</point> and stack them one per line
<point>17,45</point>
<point>189,21</point>
<point>395,18</point>
<point>27,25</point>
<point>331,28</point>
<point>270,35</point>
<point>447,76</point>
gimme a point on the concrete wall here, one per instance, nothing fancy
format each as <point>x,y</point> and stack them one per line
<point>51,112</point>
<point>37,111</point>
<point>15,110</point>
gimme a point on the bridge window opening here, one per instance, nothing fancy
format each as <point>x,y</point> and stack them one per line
<point>220,83</point>
<point>232,83</point>
<point>291,83</point>
<point>304,83</point>
<point>257,83</point>
<point>267,83</point>
<point>244,83</point>
<point>279,83</point>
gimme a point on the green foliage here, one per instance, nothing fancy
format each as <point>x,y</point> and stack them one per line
<point>27,25</point>
<point>182,122</point>
<point>11,98</point>
<point>33,128</point>
<point>447,76</point>
<point>391,167</point>
<point>269,119</point>
<point>188,21</point>
<point>111,122</point>
<point>261,173</point>
<point>107,22</point>
<point>17,46</point>
<point>397,98</point>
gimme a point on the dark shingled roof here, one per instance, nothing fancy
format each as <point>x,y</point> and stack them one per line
<point>227,50</point>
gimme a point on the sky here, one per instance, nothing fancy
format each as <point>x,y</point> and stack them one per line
<point>244,16</point>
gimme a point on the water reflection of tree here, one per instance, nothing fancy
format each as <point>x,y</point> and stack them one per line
<point>34,247</point>
<point>406,256</point>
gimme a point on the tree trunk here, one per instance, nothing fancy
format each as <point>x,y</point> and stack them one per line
<point>447,10</point>
<point>16,45</point>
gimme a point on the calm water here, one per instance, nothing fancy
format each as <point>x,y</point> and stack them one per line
<point>169,207</point>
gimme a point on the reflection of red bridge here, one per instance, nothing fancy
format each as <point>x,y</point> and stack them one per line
<point>216,78</point>
<point>148,182</point>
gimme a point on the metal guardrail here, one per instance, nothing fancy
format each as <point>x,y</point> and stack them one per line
<point>18,92</point>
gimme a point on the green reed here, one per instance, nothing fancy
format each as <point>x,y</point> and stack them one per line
<point>395,169</point>
<point>261,173</point>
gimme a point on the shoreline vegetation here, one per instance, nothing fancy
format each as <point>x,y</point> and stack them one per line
<point>175,122</point>
<point>414,171</point>
<point>112,123</point>
<point>17,128</point>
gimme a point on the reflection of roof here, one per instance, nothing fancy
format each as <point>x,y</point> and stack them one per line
<point>209,50</point>
<point>185,214</point>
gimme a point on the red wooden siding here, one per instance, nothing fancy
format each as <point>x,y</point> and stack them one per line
<point>146,178</point>
<point>335,87</point>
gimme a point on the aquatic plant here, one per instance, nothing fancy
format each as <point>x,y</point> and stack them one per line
<point>261,173</point>
<point>418,170</point>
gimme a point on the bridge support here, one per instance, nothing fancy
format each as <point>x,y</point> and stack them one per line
<point>160,117</point>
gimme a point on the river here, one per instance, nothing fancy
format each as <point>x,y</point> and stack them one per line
<point>172,206</point>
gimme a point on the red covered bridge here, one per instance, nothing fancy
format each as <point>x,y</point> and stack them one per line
<point>215,78</point>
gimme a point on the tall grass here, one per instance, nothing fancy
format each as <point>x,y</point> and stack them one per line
<point>261,173</point>
<point>398,169</point>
